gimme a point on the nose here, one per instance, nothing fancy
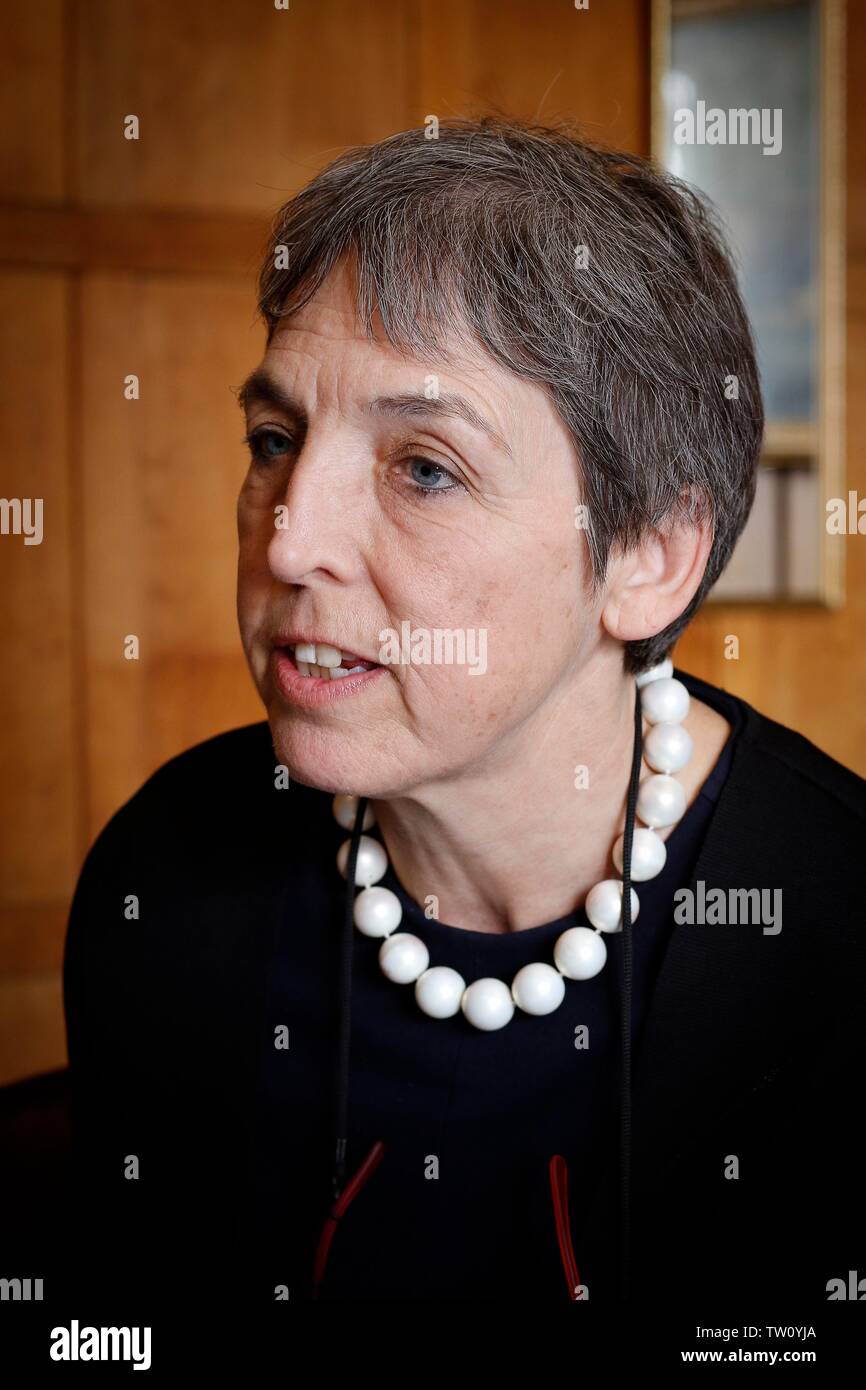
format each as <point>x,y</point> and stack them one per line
<point>316,521</point>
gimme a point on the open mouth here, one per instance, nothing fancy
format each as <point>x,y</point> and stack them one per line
<point>318,661</point>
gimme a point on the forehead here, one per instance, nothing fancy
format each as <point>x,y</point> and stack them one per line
<point>328,336</point>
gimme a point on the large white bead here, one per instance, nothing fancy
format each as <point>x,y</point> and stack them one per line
<point>663,671</point>
<point>403,957</point>
<point>604,904</point>
<point>648,854</point>
<point>488,1004</point>
<point>439,991</point>
<point>371,864</point>
<point>345,808</point>
<point>665,701</point>
<point>538,988</point>
<point>377,911</point>
<point>667,747</point>
<point>580,953</point>
<point>660,801</point>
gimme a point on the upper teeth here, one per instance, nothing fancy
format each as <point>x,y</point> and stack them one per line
<point>325,662</point>
<point>319,654</point>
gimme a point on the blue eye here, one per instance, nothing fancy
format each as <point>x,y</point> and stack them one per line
<point>433,474</point>
<point>267,444</point>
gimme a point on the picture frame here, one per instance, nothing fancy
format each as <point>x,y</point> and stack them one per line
<point>784,214</point>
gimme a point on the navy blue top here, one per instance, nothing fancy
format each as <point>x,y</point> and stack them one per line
<point>460,1205</point>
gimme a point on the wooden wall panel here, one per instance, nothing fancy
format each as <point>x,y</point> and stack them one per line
<point>538,61</point>
<point>161,477</point>
<point>32,102</point>
<point>238,103</point>
<point>40,693</point>
<point>38,844</point>
<point>32,1034</point>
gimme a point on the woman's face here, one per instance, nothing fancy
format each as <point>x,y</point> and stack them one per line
<point>361,514</point>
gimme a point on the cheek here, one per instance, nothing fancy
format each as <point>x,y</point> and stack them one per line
<point>491,633</point>
<point>462,708</point>
<point>519,607</point>
<point>252,608</point>
<point>247,590</point>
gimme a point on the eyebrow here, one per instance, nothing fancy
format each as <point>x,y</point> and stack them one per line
<point>260,387</point>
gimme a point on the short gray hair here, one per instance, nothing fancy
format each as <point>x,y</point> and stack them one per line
<point>590,272</point>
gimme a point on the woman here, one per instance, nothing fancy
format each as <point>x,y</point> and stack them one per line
<point>575,1018</point>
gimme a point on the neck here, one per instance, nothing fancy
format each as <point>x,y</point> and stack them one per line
<point>511,841</point>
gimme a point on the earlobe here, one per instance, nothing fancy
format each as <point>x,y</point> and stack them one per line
<point>629,616</point>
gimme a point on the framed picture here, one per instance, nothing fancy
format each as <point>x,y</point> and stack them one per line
<point>748,103</point>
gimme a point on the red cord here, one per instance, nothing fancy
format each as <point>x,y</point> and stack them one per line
<point>349,1192</point>
<point>558,1169</point>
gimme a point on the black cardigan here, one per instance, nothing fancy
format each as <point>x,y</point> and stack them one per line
<point>753,1045</point>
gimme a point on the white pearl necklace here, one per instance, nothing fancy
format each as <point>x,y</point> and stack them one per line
<point>580,952</point>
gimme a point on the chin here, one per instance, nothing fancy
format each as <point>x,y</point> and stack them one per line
<point>330,760</point>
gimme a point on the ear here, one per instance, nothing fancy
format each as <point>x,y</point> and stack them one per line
<point>649,586</point>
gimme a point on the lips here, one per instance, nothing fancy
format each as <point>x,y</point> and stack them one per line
<point>311,686</point>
